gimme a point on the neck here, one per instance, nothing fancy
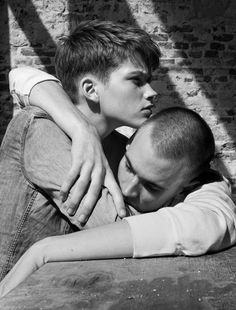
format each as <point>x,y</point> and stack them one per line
<point>99,121</point>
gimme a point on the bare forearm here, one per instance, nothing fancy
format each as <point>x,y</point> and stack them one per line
<point>109,241</point>
<point>51,97</point>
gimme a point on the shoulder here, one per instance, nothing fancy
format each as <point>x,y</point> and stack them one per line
<point>43,136</point>
<point>42,125</point>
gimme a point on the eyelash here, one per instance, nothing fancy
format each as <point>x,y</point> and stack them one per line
<point>150,188</point>
<point>127,167</point>
<point>137,82</point>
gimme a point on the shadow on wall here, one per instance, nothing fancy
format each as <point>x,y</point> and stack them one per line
<point>40,41</point>
<point>194,32</point>
<point>6,106</point>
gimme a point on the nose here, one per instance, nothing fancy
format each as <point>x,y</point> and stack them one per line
<point>149,93</point>
<point>131,188</point>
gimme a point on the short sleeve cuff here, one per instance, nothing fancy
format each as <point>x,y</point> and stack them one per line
<point>23,79</point>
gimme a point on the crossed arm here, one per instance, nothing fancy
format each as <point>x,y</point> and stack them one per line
<point>90,169</point>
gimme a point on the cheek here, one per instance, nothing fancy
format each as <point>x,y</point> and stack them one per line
<point>150,202</point>
<point>146,198</point>
<point>128,93</point>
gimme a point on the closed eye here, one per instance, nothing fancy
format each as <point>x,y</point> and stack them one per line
<point>138,81</point>
<point>152,187</point>
<point>128,165</point>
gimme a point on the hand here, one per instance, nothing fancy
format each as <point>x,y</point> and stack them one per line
<point>89,172</point>
<point>90,169</point>
<point>29,262</point>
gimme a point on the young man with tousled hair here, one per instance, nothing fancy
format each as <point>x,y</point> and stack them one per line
<point>84,61</point>
<point>35,153</point>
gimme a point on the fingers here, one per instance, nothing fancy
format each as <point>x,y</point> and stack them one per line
<point>86,190</point>
<point>79,189</point>
<point>69,181</point>
<point>91,197</point>
<point>115,191</point>
<point>89,171</point>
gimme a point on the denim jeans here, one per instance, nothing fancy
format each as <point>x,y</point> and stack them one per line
<point>27,212</point>
<point>35,157</point>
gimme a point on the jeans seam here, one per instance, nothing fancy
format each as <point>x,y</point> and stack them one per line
<point>37,114</point>
<point>13,243</point>
<point>22,146</point>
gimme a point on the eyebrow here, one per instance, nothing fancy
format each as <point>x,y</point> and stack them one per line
<point>145,75</point>
<point>158,187</point>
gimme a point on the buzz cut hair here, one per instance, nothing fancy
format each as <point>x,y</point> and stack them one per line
<point>179,133</point>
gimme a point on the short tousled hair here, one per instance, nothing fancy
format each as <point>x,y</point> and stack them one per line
<point>99,47</point>
<point>180,133</point>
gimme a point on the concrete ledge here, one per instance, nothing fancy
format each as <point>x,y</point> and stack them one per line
<point>207,282</point>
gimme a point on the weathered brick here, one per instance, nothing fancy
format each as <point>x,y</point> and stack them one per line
<point>198,45</point>
<point>4,87</point>
<point>195,54</point>
<point>223,37</point>
<point>207,78</point>
<point>2,77</point>
<point>28,52</point>
<point>232,47</point>
<point>231,112</point>
<point>209,95</point>
<point>184,28</point>
<point>211,54</point>
<point>188,80</point>
<point>227,119</point>
<point>217,46</point>
<point>197,71</point>
<point>160,37</point>
<point>179,53</point>
<point>221,79</point>
<point>190,37</point>
<point>181,45</point>
<point>167,62</point>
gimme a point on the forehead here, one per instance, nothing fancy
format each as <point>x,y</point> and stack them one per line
<point>148,165</point>
<point>128,67</point>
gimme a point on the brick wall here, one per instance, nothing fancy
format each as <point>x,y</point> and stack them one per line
<point>197,39</point>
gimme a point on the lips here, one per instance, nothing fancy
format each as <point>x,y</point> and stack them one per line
<point>148,110</point>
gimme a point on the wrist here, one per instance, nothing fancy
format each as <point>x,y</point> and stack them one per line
<point>38,253</point>
<point>82,125</point>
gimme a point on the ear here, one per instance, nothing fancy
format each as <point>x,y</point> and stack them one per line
<point>89,88</point>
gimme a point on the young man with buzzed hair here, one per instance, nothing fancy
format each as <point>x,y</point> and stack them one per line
<point>160,162</point>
